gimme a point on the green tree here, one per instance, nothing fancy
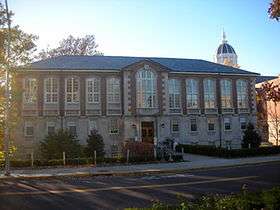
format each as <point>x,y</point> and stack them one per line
<point>22,47</point>
<point>95,143</point>
<point>274,10</point>
<point>61,141</point>
<point>251,137</point>
<point>72,46</point>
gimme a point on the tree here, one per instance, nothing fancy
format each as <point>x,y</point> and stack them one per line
<point>61,141</point>
<point>73,46</point>
<point>270,93</point>
<point>251,137</point>
<point>274,10</point>
<point>22,47</point>
<point>95,143</point>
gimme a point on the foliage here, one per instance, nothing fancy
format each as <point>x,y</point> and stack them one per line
<point>61,141</point>
<point>225,153</point>
<point>251,138</point>
<point>72,46</point>
<point>138,151</point>
<point>274,9</point>
<point>270,93</point>
<point>95,143</point>
<point>267,199</point>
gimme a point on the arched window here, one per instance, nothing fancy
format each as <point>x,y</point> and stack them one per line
<point>146,89</point>
<point>209,93</point>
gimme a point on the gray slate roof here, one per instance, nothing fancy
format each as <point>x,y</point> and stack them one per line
<point>260,79</point>
<point>119,62</point>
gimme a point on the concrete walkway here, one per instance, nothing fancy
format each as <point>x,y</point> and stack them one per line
<point>192,162</point>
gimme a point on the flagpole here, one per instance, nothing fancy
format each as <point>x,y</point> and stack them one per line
<point>7,102</point>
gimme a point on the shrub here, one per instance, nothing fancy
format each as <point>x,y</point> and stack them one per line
<point>251,137</point>
<point>55,144</point>
<point>225,153</point>
<point>95,143</point>
<point>138,151</point>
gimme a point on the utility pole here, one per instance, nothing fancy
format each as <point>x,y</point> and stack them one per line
<point>7,95</point>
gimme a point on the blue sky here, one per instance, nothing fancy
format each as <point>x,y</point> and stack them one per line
<point>159,28</point>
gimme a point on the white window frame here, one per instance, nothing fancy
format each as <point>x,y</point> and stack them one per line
<point>209,86</point>
<point>26,125</point>
<point>242,93</point>
<point>146,97</point>
<point>53,92</point>
<point>243,120</point>
<point>175,122</point>
<point>72,124</point>
<point>211,121</point>
<point>192,93</point>
<point>72,93</point>
<point>174,91</point>
<point>50,124</point>
<point>92,125</point>
<point>113,92</point>
<point>30,90</point>
<point>114,129</point>
<point>191,123</point>
<point>93,90</point>
<point>226,93</point>
<point>227,120</point>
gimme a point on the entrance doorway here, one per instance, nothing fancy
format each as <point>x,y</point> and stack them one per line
<point>147,132</point>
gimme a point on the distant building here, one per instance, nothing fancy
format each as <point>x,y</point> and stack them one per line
<point>268,113</point>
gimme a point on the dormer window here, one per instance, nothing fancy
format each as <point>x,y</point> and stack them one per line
<point>146,89</point>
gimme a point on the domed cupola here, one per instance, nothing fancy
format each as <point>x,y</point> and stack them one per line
<point>226,55</point>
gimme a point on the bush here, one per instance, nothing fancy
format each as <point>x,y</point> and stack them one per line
<point>95,143</point>
<point>55,144</point>
<point>138,151</point>
<point>251,137</point>
<point>225,153</point>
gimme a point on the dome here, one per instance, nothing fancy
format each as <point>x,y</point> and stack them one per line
<point>225,48</point>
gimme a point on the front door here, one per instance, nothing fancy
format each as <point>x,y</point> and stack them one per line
<point>147,132</point>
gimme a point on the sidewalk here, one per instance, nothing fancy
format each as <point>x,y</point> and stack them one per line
<point>192,162</point>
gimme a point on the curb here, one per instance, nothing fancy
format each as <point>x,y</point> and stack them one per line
<point>129,173</point>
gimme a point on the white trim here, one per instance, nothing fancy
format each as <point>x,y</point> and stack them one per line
<point>72,92</point>
<point>51,93</point>
<point>93,79</point>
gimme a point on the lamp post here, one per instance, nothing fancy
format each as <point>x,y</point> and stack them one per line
<point>7,95</point>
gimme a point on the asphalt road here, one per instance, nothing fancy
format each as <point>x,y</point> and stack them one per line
<point>114,192</point>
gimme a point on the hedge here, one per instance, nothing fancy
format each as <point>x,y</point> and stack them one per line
<point>226,153</point>
<point>267,199</point>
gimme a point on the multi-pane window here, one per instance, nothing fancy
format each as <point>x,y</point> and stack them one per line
<point>174,126</point>
<point>72,128</point>
<point>226,93</point>
<point>243,123</point>
<point>72,90</point>
<point>113,126</point>
<point>146,89</point>
<point>28,129</point>
<point>227,124</point>
<point>50,128</point>
<point>174,93</point>
<point>242,94</point>
<point>209,93</point>
<point>113,90</point>
<point>93,90</point>
<point>192,93</point>
<point>92,125</point>
<point>51,90</point>
<point>193,125</point>
<point>211,124</point>
<point>30,90</point>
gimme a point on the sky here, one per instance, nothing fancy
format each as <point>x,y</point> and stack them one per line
<point>159,28</point>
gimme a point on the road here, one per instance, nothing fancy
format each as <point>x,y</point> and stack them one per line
<point>118,192</point>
